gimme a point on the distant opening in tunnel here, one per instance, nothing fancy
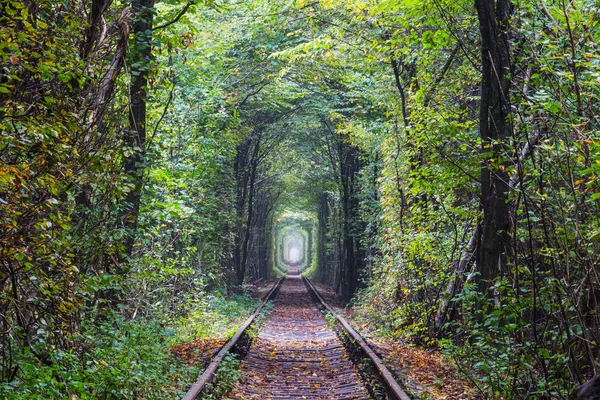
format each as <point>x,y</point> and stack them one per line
<point>293,249</point>
<point>293,241</point>
<point>294,254</point>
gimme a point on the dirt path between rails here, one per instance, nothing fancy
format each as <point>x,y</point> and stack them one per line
<point>296,356</point>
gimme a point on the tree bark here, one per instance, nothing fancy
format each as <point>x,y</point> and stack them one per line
<point>352,257</point>
<point>444,312</point>
<point>241,178</point>
<point>93,32</point>
<point>241,272</point>
<point>322,230</point>
<point>495,128</point>
<point>135,137</point>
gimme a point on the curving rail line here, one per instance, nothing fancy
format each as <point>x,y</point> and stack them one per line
<point>393,388</point>
<point>296,355</point>
<point>209,374</point>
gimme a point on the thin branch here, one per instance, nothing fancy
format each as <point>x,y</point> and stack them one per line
<point>254,93</point>
<point>164,113</point>
<point>442,74</point>
<point>394,63</point>
<point>177,18</point>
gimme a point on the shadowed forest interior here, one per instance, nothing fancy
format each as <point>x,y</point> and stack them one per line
<point>431,165</point>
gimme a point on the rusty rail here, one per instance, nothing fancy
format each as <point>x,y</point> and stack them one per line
<point>209,373</point>
<point>387,378</point>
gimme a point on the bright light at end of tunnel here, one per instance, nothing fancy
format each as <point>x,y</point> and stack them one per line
<point>294,254</point>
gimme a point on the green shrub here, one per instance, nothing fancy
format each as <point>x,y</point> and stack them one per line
<point>113,359</point>
<point>216,316</point>
<point>495,346</point>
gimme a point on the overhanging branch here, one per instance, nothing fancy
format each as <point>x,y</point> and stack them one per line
<point>177,18</point>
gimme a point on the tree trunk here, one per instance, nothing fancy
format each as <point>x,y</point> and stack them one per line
<point>495,128</point>
<point>323,223</point>
<point>241,272</point>
<point>241,178</point>
<point>352,255</point>
<point>445,310</point>
<point>135,137</point>
<point>93,32</point>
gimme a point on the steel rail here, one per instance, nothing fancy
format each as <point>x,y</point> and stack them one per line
<point>210,372</point>
<point>391,384</point>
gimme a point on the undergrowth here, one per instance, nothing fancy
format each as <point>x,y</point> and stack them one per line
<point>116,358</point>
<point>227,375</point>
<point>260,319</point>
<point>491,344</point>
<point>215,316</point>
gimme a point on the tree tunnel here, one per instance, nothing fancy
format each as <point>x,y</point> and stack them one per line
<point>293,241</point>
<point>293,249</point>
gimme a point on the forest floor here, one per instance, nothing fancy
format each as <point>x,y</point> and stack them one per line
<point>288,353</point>
<point>199,351</point>
<point>425,372</point>
<point>297,355</point>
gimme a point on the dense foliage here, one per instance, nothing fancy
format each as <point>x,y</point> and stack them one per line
<point>439,159</point>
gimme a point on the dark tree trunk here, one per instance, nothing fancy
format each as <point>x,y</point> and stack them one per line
<point>352,256</point>
<point>309,246</point>
<point>241,270</point>
<point>337,266</point>
<point>495,129</point>
<point>94,28</point>
<point>241,177</point>
<point>135,137</point>
<point>348,253</point>
<point>323,224</point>
<point>259,254</point>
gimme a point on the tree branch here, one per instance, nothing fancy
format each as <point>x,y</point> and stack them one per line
<point>177,18</point>
<point>394,63</point>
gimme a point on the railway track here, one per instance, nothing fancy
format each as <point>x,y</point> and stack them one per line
<point>297,355</point>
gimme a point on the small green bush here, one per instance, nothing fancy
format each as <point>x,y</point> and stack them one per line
<point>217,316</point>
<point>227,375</point>
<point>113,359</point>
<point>494,346</point>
